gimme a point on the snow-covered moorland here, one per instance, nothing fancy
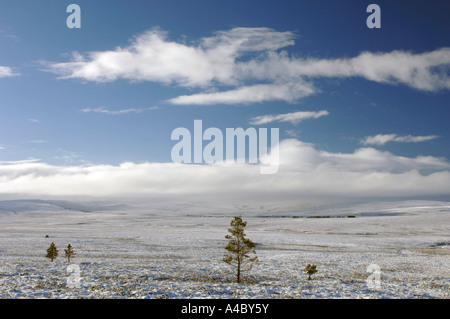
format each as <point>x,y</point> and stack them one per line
<point>130,252</point>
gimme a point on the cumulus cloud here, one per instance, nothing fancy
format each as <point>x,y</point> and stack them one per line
<point>250,60</point>
<point>381,139</point>
<point>6,71</point>
<point>294,117</point>
<point>305,172</point>
<point>151,56</point>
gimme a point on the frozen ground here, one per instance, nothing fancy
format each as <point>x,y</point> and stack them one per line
<point>124,252</point>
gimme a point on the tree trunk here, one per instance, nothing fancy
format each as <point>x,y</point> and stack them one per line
<point>238,261</point>
<point>238,272</point>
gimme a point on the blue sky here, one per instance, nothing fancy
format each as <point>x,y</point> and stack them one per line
<point>113,91</point>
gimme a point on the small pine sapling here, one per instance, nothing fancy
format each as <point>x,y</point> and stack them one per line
<point>52,251</point>
<point>69,252</point>
<point>239,248</point>
<point>310,270</point>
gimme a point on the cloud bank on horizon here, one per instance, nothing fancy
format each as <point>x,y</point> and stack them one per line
<point>305,173</point>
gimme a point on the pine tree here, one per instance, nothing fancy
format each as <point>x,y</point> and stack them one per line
<point>310,270</point>
<point>69,252</point>
<point>238,248</point>
<point>52,252</point>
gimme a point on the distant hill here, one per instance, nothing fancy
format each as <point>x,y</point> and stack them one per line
<point>37,205</point>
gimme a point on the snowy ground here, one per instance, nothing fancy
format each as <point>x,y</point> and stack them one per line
<point>131,253</point>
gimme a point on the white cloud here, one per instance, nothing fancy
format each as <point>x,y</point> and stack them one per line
<point>381,139</point>
<point>152,57</point>
<point>293,118</point>
<point>288,92</point>
<point>9,35</point>
<point>304,173</point>
<point>67,157</point>
<point>104,110</point>
<point>414,139</point>
<point>27,161</point>
<point>423,71</point>
<point>242,57</point>
<point>6,71</point>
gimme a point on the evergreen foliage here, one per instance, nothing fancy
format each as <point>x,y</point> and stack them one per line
<point>52,251</point>
<point>69,252</point>
<point>310,270</point>
<point>239,248</point>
